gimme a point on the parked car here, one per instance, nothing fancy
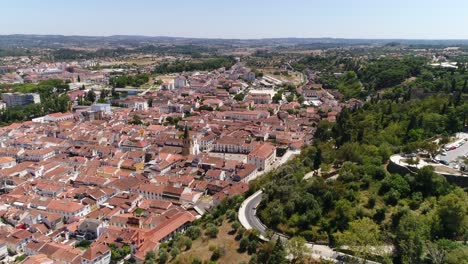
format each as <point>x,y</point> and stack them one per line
<point>444,162</point>
<point>443,153</point>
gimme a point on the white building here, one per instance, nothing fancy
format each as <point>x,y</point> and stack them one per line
<point>68,208</point>
<point>263,156</point>
<point>56,117</point>
<point>106,108</point>
<point>180,82</point>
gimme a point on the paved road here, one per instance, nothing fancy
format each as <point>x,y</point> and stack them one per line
<point>248,218</point>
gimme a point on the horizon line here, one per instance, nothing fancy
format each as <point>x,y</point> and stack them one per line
<point>221,38</point>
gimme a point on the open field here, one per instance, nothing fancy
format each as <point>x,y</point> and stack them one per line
<point>294,77</point>
<point>225,241</point>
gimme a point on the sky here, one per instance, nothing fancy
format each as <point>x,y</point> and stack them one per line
<point>403,19</point>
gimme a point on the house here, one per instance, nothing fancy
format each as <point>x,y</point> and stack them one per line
<point>3,250</point>
<point>245,172</point>
<point>165,231</point>
<point>15,239</point>
<point>90,229</point>
<point>96,254</point>
<point>38,259</point>
<point>68,208</point>
<point>180,82</point>
<point>215,174</point>
<point>38,154</point>
<point>56,117</point>
<point>263,156</point>
<point>7,162</point>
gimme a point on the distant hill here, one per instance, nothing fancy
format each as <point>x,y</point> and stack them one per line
<point>60,41</point>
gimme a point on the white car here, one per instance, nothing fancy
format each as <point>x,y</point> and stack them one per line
<point>443,153</point>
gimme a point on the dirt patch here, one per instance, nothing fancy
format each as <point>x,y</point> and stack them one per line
<point>225,241</point>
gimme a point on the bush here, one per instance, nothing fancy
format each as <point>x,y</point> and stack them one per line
<point>216,254</point>
<point>211,231</point>
<point>193,232</point>
<point>188,243</point>
<point>175,252</point>
<point>243,244</point>
<point>163,256</point>
<point>84,244</point>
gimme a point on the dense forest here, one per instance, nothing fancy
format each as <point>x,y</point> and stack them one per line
<point>206,65</point>
<point>363,77</point>
<point>365,205</point>
<point>129,80</point>
<point>190,50</point>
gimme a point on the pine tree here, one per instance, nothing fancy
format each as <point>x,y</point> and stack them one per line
<point>318,159</point>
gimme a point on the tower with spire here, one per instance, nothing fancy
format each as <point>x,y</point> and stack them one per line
<point>187,142</point>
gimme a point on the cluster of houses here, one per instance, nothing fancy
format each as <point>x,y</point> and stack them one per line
<point>141,172</point>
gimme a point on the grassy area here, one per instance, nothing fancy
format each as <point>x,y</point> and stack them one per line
<point>203,247</point>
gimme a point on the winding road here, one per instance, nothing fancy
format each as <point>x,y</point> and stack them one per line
<point>249,220</point>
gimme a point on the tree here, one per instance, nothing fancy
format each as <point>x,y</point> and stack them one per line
<point>458,256</point>
<point>411,233</point>
<point>239,97</point>
<point>188,243</point>
<point>150,102</point>
<point>429,183</point>
<point>91,96</point>
<point>136,120</point>
<point>193,232</point>
<point>296,246</point>
<point>104,93</point>
<point>318,159</point>
<point>174,252</point>
<point>211,231</point>
<point>277,97</point>
<point>216,254</point>
<point>163,256</point>
<point>363,237</point>
<point>235,225</point>
<point>452,212</point>
<point>279,254</point>
<point>150,257</point>
<point>243,244</point>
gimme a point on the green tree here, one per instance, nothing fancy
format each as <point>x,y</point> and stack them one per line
<point>243,244</point>
<point>150,257</point>
<point>216,254</point>
<point>279,253</point>
<point>411,234</point>
<point>163,256</point>
<point>318,159</point>
<point>297,247</point>
<point>91,96</point>
<point>136,120</point>
<point>363,237</point>
<point>239,97</point>
<point>193,232</point>
<point>452,212</point>
<point>211,231</point>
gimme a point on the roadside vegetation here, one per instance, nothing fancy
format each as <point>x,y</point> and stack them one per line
<point>365,210</point>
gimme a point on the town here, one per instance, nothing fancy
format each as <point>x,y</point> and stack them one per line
<point>227,132</point>
<point>136,170</point>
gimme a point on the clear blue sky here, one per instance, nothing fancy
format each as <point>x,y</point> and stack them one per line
<point>427,19</point>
